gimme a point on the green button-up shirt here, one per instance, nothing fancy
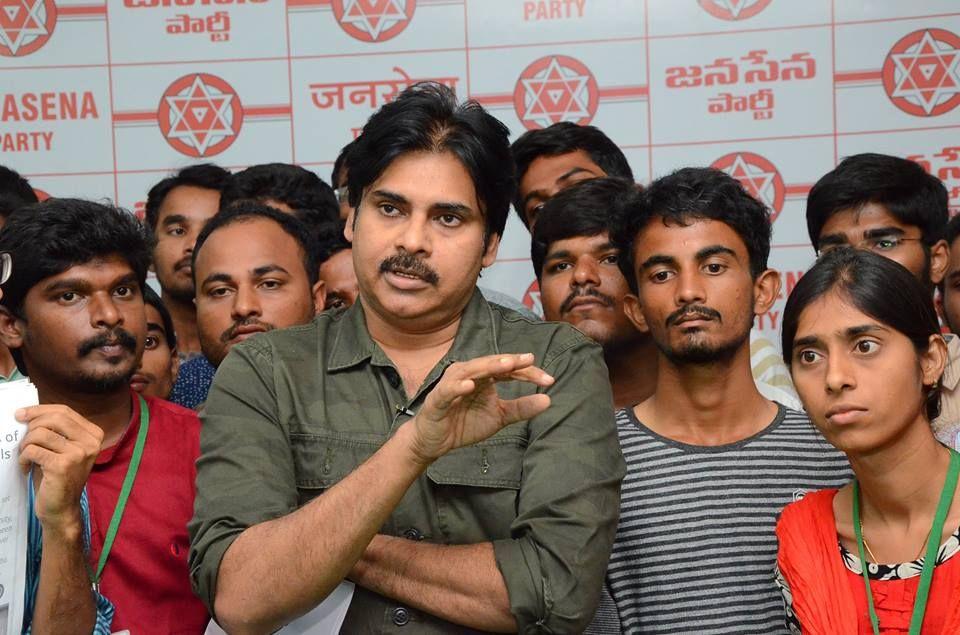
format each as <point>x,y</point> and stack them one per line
<point>293,412</point>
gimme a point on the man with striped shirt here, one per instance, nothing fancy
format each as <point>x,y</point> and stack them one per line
<point>711,461</point>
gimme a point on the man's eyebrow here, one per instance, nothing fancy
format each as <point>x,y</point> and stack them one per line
<point>394,197</point>
<point>880,232</point>
<point>653,261</point>
<point>445,206</point>
<point>558,255</point>
<point>174,219</point>
<point>217,277</point>
<point>573,171</point>
<point>67,284</point>
<point>833,239</point>
<point>271,268</point>
<point>715,250</point>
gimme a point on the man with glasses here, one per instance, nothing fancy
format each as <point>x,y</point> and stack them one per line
<point>892,207</point>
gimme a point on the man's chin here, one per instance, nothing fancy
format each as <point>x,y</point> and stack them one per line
<point>103,383</point>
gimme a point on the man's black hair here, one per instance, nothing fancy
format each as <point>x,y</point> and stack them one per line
<point>150,297</point>
<point>330,241</point>
<point>15,192</point>
<point>342,162</point>
<point>583,209</point>
<point>246,211</point>
<point>689,195</point>
<point>426,118</point>
<point>45,239</point>
<point>563,138</point>
<point>203,175</point>
<point>901,186</point>
<point>952,231</point>
<point>312,200</point>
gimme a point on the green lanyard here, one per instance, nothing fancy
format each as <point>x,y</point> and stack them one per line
<point>929,560</point>
<point>124,493</point>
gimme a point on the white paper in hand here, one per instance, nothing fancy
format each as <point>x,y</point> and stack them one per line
<point>13,505</point>
<point>326,619</point>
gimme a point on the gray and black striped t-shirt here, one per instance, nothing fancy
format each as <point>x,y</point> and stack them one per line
<point>695,550</point>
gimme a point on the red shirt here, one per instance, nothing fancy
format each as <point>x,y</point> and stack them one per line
<point>146,575</point>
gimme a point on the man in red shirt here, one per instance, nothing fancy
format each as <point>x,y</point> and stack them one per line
<point>73,316</point>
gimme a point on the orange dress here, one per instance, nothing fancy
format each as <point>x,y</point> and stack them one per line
<point>823,584</point>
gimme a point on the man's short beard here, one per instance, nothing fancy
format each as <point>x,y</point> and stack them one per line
<point>703,353</point>
<point>103,384</point>
<point>179,294</point>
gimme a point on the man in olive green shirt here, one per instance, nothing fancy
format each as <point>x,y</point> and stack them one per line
<point>374,444</point>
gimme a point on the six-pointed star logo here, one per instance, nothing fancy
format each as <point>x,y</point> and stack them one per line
<point>556,88</point>
<point>25,25</point>
<point>531,298</point>
<point>758,176</point>
<point>921,74</point>
<point>734,9</point>
<point>200,115</point>
<point>373,20</point>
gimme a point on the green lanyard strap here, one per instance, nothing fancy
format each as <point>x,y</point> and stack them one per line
<point>124,493</point>
<point>929,559</point>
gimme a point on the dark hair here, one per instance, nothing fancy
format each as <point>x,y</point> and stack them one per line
<point>876,286</point>
<point>150,297</point>
<point>245,211</point>
<point>691,194</point>
<point>312,200</point>
<point>15,192</point>
<point>203,175</point>
<point>901,186</point>
<point>426,118</point>
<point>340,164</point>
<point>562,138</point>
<point>952,231</point>
<point>583,209</point>
<point>330,241</point>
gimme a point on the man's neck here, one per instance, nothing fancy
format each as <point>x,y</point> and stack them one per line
<point>633,371</point>
<point>901,482</point>
<point>111,412</point>
<point>7,365</point>
<point>707,404</point>
<point>184,316</point>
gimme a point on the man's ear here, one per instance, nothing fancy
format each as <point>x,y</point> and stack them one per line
<point>634,312</point>
<point>490,250</point>
<point>174,366</point>
<point>939,261</point>
<point>319,296</point>
<point>766,288</point>
<point>11,329</point>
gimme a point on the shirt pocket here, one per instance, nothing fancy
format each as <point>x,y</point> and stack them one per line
<point>323,458</point>
<point>476,489</point>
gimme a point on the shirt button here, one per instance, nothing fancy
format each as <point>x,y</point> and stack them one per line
<point>413,534</point>
<point>401,616</point>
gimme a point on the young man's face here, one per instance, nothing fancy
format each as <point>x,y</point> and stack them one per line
<point>158,367</point>
<point>339,280</point>
<point>82,330</point>
<point>951,288</point>
<point>696,293</point>
<point>180,218</point>
<point>582,284</point>
<point>250,279</point>
<point>548,175</point>
<point>874,228</point>
<point>418,241</point>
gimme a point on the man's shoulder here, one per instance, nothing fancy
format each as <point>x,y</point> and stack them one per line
<point>173,416</point>
<point>516,331</point>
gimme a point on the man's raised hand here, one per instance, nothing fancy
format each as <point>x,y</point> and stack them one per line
<point>464,407</point>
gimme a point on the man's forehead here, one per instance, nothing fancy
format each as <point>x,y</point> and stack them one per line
<point>687,238</point>
<point>856,220</point>
<point>96,269</point>
<point>580,244</point>
<point>558,167</point>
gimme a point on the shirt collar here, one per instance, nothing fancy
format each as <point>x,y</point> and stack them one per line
<point>476,336</point>
<point>124,444</point>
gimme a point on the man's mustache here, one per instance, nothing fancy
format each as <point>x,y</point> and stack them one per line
<point>116,337</point>
<point>231,332</point>
<point>586,291</point>
<point>410,265</point>
<point>694,311</point>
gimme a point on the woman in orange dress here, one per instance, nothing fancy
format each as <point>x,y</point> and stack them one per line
<point>862,340</point>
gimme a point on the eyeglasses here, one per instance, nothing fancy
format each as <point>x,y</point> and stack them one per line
<point>6,266</point>
<point>882,245</point>
<point>342,194</point>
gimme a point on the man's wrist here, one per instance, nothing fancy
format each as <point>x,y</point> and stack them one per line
<point>408,444</point>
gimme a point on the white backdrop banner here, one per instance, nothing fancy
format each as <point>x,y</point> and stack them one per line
<point>101,100</point>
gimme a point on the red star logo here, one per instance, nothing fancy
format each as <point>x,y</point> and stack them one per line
<point>759,177</point>
<point>200,115</point>
<point>373,20</point>
<point>556,88</point>
<point>25,25</point>
<point>531,299</point>
<point>922,72</point>
<point>734,9</point>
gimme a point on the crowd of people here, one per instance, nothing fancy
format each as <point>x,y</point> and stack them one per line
<point>323,391</point>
